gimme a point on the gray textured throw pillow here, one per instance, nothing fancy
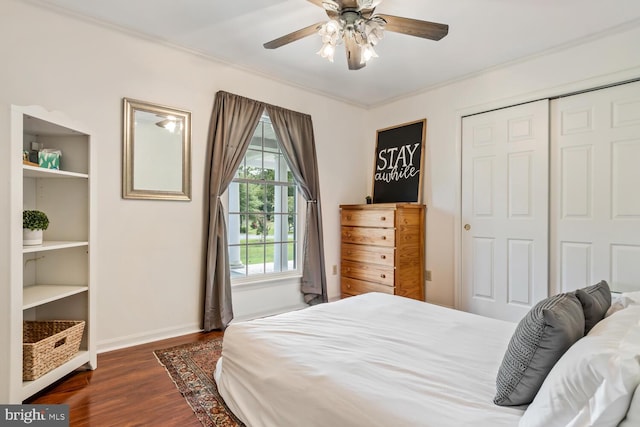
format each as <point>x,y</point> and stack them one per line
<point>595,301</point>
<point>541,338</point>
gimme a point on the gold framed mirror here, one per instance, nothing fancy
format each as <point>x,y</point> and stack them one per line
<point>156,156</point>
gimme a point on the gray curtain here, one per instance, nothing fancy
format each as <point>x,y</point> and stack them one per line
<point>233,122</point>
<point>295,133</point>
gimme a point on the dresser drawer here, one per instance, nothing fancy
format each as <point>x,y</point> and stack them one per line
<point>383,255</point>
<point>370,272</point>
<point>356,287</point>
<point>369,236</point>
<point>368,218</point>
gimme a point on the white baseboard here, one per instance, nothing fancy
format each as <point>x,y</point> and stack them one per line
<point>146,337</point>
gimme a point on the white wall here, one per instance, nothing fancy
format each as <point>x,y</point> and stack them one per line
<point>150,252</point>
<point>609,59</point>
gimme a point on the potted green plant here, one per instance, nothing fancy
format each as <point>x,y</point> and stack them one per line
<point>33,223</point>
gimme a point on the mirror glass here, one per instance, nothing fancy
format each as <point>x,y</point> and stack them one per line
<point>156,152</point>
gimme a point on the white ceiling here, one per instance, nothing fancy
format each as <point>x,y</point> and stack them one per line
<point>482,34</point>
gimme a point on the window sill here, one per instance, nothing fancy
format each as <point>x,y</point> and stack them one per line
<point>269,281</point>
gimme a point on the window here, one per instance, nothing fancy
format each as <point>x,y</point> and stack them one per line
<point>263,210</point>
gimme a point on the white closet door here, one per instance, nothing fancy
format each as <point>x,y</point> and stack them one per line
<point>505,191</point>
<point>595,189</point>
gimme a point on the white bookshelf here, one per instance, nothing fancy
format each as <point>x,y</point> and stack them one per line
<point>54,280</point>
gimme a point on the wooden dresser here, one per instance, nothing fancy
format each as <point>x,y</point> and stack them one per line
<point>382,249</point>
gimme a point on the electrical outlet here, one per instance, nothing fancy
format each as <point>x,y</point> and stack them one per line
<point>427,275</point>
<point>335,269</point>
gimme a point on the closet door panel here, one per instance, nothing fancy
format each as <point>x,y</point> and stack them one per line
<point>595,202</point>
<point>505,171</point>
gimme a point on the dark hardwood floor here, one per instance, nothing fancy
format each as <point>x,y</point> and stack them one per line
<point>129,388</point>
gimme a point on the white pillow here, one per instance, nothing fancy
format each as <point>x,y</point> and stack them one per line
<point>633,414</point>
<point>623,300</point>
<point>592,383</point>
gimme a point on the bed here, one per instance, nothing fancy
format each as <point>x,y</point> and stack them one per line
<point>371,360</point>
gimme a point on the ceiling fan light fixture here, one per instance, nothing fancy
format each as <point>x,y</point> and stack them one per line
<point>330,5</point>
<point>327,51</point>
<point>374,29</point>
<point>365,33</point>
<point>331,32</point>
<point>368,52</point>
<point>368,4</point>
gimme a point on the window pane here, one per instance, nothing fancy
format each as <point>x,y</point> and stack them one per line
<point>292,220</point>
<point>256,197</point>
<point>256,140</point>
<point>271,167</point>
<point>290,176</point>
<point>236,264</point>
<point>291,256</point>
<point>270,140</point>
<point>234,225</point>
<point>237,260</point>
<point>280,257</point>
<point>240,173</point>
<point>253,164</point>
<point>269,198</point>
<point>255,262</point>
<point>291,199</point>
<point>280,228</point>
<point>270,230</point>
<point>269,261</point>
<point>237,197</point>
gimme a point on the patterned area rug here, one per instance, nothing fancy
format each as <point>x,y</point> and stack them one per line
<point>191,367</point>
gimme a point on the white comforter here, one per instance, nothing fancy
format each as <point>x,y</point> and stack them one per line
<point>371,360</point>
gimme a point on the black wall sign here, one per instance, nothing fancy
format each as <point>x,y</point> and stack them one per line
<point>397,174</point>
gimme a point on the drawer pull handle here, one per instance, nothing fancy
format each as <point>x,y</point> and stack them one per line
<point>384,237</point>
<point>383,276</point>
<point>349,217</point>
<point>348,286</point>
<point>348,234</point>
<point>348,269</point>
<point>383,256</point>
<point>383,218</point>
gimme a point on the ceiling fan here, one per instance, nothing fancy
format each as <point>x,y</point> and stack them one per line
<point>354,23</point>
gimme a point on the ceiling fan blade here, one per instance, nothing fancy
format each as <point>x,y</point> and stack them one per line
<point>415,27</point>
<point>291,37</point>
<point>354,53</point>
<point>321,3</point>
<point>316,2</point>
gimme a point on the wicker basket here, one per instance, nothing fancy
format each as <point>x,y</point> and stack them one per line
<point>48,344</point>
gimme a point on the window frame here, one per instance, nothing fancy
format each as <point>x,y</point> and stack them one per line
<point>301,205</point>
